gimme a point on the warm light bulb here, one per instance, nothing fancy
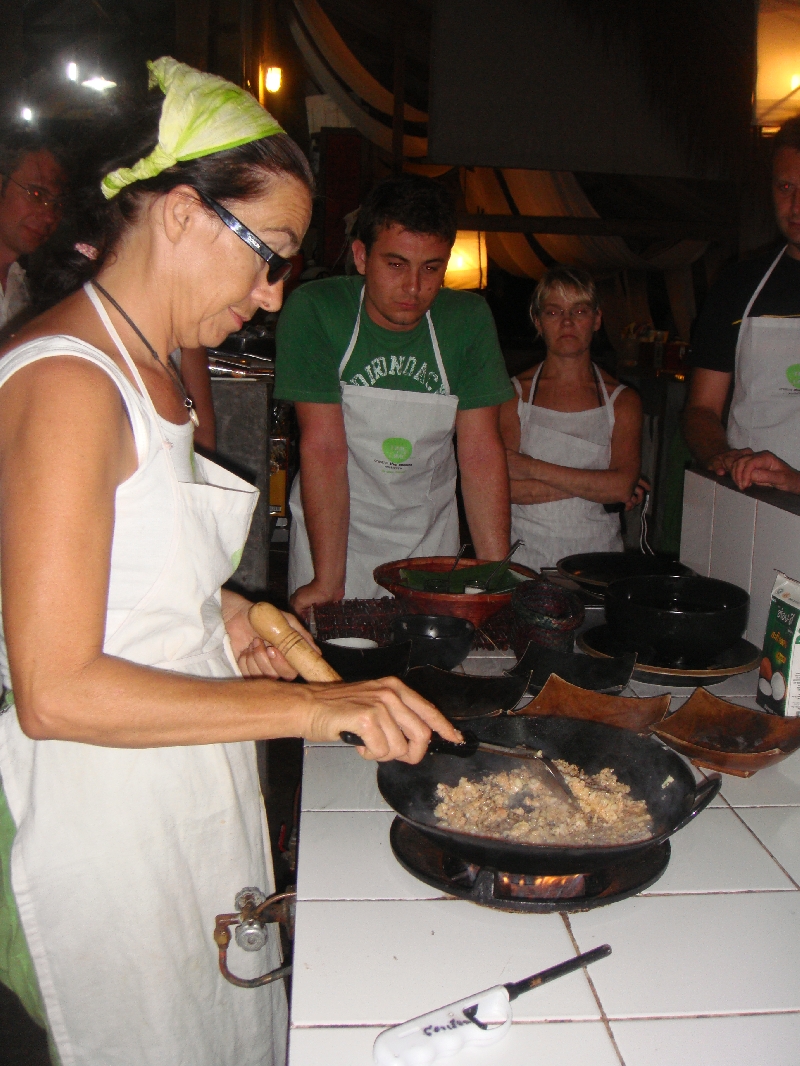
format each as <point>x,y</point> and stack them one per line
<point>98,83</point>
<point>72,71</point>
<point>26,114</point>
<point>795,81</point>
<point>272,80</point>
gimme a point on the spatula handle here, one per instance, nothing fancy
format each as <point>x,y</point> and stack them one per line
<point>437,745</point>
<point>270,624</point>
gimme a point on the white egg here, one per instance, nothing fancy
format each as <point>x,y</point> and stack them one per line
<point>778,686</point>
<point>764,686</point>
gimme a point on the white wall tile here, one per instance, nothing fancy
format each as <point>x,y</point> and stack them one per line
<point>698,522</point>
<point>347,855</point>
<point>380,963</point>
<point>338,779</point>
<point>777,786</point>
<point>735,1040</point>
<point>695,954</point>
<point>776,547</point>
<point>733,535</point>
<point>716,853</point>
<point>525,1045</point>
<point>779,829</point>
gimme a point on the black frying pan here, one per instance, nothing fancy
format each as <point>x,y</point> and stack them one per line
<point>644,763</point>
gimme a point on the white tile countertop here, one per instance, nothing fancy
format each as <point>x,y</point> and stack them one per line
<point>704,970</point>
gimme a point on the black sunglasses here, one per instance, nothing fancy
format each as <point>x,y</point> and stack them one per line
<point>278,268</point>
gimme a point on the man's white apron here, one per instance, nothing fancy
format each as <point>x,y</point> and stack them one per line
<point>765,408</point>
<point>401,470</point>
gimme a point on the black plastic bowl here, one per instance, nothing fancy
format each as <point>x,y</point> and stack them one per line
<point>436,639</point>
<point>366,664</point>
<point>682,620</point>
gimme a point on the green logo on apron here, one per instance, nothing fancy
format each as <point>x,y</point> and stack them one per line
<point>236,558</point>
<point>398,449</point>
<point>793,375</point>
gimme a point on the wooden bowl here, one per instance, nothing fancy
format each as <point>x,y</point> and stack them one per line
<point>560,698</point>
<point>476,608</point>
<point>726,737</point>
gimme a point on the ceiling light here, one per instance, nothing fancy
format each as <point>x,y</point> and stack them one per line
<point>272,80</point>
<point>98,83</point>
<point>72,71</point>
<point>26,114</point>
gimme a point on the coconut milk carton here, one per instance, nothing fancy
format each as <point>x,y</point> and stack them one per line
<point>779,674</point>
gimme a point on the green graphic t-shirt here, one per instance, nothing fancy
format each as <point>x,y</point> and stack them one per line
<point>317,323</point>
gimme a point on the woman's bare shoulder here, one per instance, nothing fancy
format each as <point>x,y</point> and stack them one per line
<point>73,317</point>
<point>525,379</point>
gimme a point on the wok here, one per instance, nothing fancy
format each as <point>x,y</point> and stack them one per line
<point>644,763</point>
<point>595,571</point>
<point>685,620</point>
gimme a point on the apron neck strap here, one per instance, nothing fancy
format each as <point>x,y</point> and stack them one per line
<point>434,342</point>
<point>763,282</point>
<point>354,334</point>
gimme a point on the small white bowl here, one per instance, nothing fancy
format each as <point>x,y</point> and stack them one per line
<point>353,642</point>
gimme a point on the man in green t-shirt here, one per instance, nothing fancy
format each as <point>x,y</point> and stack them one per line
<point>384,369</point>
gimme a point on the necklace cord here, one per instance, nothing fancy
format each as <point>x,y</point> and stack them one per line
<point>170,362</point>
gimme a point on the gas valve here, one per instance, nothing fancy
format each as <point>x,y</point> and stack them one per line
<point>250,934</point>
<point>255,912</point>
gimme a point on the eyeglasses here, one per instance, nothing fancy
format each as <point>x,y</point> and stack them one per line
<point>40,196</point>
<point>577,314</point>
<point>279,268</point>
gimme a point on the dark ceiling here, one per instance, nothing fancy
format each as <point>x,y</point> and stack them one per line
<point>367,28</point>
<point>108,37</point>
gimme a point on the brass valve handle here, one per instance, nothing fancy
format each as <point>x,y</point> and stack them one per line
<point>270,624</point>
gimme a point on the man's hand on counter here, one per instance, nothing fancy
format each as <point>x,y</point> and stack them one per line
<point>393,720</point>
<point>764,470</point>
<point>724,462</point>
<point>314,592</point>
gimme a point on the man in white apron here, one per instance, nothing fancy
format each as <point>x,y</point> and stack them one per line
<point>384,372</point>
<point>749,335</point>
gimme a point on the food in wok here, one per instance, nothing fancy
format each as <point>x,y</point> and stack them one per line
<point>515,805</point>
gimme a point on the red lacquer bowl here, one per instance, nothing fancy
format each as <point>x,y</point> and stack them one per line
<point>476,608</point>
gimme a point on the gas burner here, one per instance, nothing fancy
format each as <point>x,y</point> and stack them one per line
<point>537,894</point>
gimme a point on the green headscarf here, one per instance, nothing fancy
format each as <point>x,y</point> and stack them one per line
<point>201,114</point>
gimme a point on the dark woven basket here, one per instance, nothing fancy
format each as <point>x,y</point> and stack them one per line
<point>545,614</point>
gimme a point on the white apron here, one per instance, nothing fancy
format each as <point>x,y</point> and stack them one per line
<point>578,439</point>
<point>765,408</point>
<point>401,470</point>
<point>123,857</point>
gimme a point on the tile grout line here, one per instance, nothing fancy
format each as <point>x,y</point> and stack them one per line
<point>776,1013</point>
<point>603,1015</point>
<point>777,862</point>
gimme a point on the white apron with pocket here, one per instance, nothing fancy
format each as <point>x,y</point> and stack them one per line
<point>578,439</point>
<point>123,857</point>
<point>401,470</point>
<point>765,408</point>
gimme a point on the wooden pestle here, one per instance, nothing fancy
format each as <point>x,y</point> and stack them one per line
<point>270,624</point>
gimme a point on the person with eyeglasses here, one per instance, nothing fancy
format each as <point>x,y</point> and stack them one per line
<point>130,808</point>
<point>32,190</point>
<point>572,433</point>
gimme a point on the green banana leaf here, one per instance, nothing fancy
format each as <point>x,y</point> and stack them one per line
<point>454,581</point>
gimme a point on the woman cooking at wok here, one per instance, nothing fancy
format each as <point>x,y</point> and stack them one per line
<point>573,434</point>
<point>130,811</point>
